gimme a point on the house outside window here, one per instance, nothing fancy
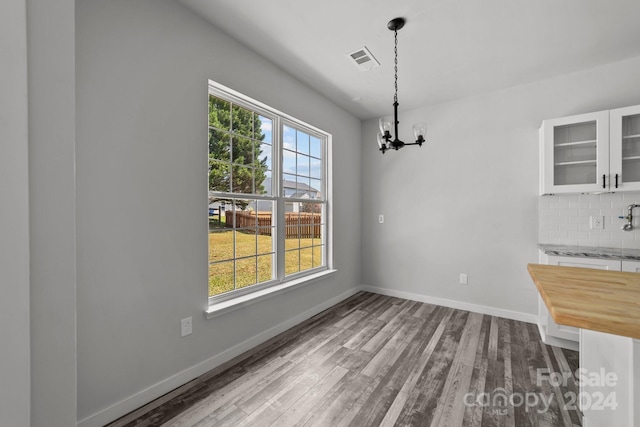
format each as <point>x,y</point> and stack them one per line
<point>268,206</point>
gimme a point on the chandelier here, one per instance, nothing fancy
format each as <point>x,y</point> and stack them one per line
<point>386,141</point>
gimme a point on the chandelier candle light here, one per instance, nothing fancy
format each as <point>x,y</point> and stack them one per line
<point>385,140</point>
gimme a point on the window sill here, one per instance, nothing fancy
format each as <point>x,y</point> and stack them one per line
<point>233,304</point>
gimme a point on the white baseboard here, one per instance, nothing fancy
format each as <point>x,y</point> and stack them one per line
<point>151,393</point>
<point>476,308</point>
<point>163,387</point>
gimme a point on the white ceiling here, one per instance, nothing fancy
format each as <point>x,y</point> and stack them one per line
<point>447,50</point>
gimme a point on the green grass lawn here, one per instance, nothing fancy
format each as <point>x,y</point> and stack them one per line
<point>300,255</point>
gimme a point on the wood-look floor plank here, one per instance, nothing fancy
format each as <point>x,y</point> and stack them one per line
<point>521,376</point>
<point>217,399</point>
<point>450,410</point>
<point>400,401</point>
<point>389,353</point>
<point>309,365</point>
<point>565,417</point>
<point>295,413</point>
<point>366,331</point>
<point>472,411</point>
<point>374,360</point>
<point>423,400</point>
<point>379,339</point>
<point>424,310</point>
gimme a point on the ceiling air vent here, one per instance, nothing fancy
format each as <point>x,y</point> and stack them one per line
<point>363,59</point>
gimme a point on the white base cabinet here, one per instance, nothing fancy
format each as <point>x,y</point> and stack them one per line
<point>609,379</point>
<point>568,336</point>
<point>631,266</point>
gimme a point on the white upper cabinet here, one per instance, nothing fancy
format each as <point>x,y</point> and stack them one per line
<point>624,142</point>
<point>589,153</point>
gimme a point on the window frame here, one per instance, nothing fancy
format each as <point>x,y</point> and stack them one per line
<point>279,120</point>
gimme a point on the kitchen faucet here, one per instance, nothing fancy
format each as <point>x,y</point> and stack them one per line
<point>629,225</point>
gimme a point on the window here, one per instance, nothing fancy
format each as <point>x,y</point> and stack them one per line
<point>267,196</point>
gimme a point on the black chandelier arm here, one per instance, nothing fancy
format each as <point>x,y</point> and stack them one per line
<point>396,144</point>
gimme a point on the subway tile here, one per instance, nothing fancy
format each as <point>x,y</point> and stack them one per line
<point>579,235</point>
<point>588,197</point>
<point>587,242</point>
<point>578,220</point>
<point>612,198</point>
<point>631,197</point>
<point>579,205</point>
<point>549,227</point>
<point>550,212</point>
<point>631,244</point>
<point>584,226</point>
<point>568,227</point>
<point>589,212</point>
<point>600,235</point>
<point>546,219</point>
<point>564,219</point>
<point>558,234</point>
<point>611,212</point>
<point>568,212</point>
<point>622,235</point>
<point>558,219</point>
<point>569,198</point>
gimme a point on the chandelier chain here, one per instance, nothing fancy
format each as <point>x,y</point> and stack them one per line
<point>395,50</point>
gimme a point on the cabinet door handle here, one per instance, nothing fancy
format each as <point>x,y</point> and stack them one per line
<point>604,185</point>
<point>616,180</point>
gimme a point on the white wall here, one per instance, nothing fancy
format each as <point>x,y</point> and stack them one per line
<point>467,202</point>
<point>14,218</point>
<point>52,207</point>
<point>142,70</point>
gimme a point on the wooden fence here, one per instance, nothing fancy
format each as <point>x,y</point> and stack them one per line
<point>302,225</point>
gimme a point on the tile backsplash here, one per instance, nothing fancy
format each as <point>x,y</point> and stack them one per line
<point>564,220</point>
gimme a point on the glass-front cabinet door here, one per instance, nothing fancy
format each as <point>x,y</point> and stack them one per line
<point>575,154</point>
<point>624,143</point>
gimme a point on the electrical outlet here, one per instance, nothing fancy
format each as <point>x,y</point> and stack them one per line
<point>186,327</point>
<point>597,222</point>
<point>463,279</point>
<point>381,219</point>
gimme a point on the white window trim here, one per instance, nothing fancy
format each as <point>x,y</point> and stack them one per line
<point>232,304</point>
<point>230,301</point>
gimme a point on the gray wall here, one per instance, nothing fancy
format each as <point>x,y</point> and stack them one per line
<point>52,209</point>
<point>14,218</point>
<point>467,201</point>
<point>142,70</point>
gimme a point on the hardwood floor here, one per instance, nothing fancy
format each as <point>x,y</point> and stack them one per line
<point>374,360</point>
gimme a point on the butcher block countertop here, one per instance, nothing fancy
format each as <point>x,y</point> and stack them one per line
<point>599,300</point>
